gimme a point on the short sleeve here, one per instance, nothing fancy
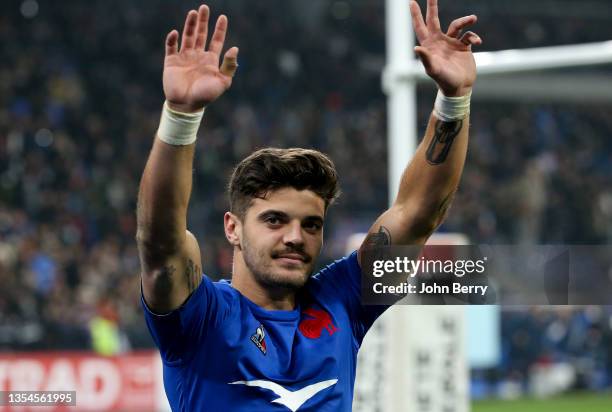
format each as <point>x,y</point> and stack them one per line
<point>342,279</point>
<point>179,333</point>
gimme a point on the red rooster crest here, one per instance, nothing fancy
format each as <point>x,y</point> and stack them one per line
<point>313,326</point>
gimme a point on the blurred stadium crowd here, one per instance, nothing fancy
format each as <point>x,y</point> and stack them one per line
<point>80,98</point>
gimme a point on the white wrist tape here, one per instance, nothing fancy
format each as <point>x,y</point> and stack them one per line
<point>450,109</point>
<point>179,129</point>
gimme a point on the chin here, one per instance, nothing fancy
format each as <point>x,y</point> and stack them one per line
<point>286,278</point>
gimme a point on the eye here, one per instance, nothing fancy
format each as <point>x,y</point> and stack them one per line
<point>312,226</point>
<point>273,220</point>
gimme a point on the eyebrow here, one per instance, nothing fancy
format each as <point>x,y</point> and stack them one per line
<point>281,214</point>
<point>316,219</point>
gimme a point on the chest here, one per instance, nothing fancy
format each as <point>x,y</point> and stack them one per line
<point>318,342</point>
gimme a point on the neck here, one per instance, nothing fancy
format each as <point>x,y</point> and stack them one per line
<point>263,296</point>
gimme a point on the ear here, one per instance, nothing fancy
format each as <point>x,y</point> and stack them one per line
<point>233,228</point>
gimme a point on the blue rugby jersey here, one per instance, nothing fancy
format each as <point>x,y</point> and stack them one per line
<point>222,352</point>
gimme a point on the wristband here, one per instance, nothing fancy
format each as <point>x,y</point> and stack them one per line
<point>450,109</point>
<point>177,128</point>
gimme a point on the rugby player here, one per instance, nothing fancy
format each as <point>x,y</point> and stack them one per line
<point>275,337</point>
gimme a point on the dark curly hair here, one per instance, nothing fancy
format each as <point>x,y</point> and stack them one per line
<point>271,169</point>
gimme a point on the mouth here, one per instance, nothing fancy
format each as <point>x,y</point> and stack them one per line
<point>291,258</point>
<point>289,261</point>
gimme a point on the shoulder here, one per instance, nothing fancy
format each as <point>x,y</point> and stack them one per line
<point>208,305</point>
<point>348,265</point>
<point>343,275</point>
<point>179,333</point>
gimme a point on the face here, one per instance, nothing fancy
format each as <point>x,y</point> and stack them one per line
<point>281,237</point>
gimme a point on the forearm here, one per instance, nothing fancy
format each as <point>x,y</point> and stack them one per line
<point>429,182</point>
<point>431,179</point>
<point>163,197</point>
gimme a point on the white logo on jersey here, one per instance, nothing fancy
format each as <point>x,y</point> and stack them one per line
<point>292,400</point>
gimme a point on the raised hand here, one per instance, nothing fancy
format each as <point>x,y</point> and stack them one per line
<point>192,76</point>
<point>447,57</point>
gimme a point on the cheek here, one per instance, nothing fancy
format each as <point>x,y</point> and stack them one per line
<point>264,241</point>
<point>256,234</point>
<point>315,244</point>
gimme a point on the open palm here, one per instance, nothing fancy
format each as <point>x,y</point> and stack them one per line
<point>447,57</point>
<point>192,76</point>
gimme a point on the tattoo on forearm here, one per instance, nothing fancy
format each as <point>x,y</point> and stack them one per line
<point>442,141</point>
<point>192,273</point>
<point>380,238</point>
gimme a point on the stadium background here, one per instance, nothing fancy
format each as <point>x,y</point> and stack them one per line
<point>80,97</point>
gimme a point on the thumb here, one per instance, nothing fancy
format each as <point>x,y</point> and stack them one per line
<point>425,57</point>
<point>230,62</point>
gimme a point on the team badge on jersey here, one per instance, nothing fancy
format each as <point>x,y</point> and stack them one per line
<point>314,322</point>
<point>259,339</point>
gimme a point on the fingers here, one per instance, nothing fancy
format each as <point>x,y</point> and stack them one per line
<point>432,19</point>
<point>202,27</point>
<point>172,43</point>
<point>230,62</point>
<point>459,24</point>
<point>471,39</point>
<point>191,22</point>
<point>218,38</point>
<point>417,21</point>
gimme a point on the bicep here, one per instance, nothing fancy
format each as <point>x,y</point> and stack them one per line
<point>167,281</point>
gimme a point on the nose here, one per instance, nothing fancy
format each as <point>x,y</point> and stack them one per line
<point>293,236</point>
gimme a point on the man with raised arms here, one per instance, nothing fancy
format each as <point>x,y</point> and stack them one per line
<point>275,338</point>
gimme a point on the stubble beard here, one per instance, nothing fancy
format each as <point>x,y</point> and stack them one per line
<point>266,274</point>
